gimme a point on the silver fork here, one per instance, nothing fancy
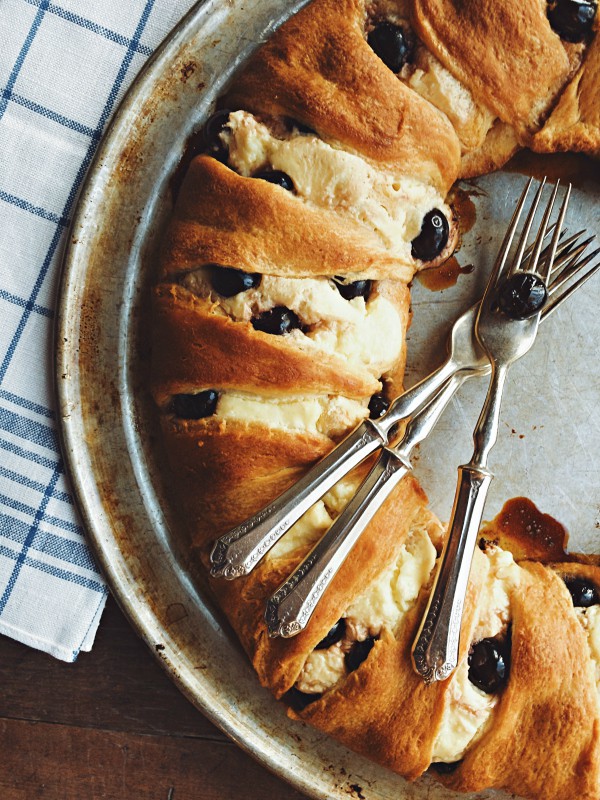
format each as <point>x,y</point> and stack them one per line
<point>237,552</point>
<point>505,339</point>
<point>290,608</point>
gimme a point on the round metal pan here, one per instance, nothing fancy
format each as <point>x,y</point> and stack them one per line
<point>109,437</point>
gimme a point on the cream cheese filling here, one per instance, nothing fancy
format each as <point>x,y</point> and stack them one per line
<point>369,334</point>
<point>331,415</point>
<point>468,708</point>
<point>435,83</point>
<point>392,205</point>
<point>383,605</point>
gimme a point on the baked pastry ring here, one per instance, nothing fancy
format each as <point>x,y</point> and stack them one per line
<point>280,316</point>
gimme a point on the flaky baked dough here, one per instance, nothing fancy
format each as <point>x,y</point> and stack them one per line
<point>319,71</point>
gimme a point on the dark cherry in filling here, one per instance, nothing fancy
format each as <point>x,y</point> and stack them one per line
<point>433,236</point>
<point>391,44</point>
<point>378,405</point>
<point>277,177</point>
<point>359,652</point>
<point>573,20</point>
<point>277,321</point>
<point>489,664</point>
<point>195,406</point>
<point>445,769</point>
<point>299,700</point>
<point>336,634</point>
<point>213,127</point>
<point>228,281</point>
<point>583,593</point>
<point>351,290</point>
<point>522,295</point>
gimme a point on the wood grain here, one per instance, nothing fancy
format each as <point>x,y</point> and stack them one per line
<point>112,725</point>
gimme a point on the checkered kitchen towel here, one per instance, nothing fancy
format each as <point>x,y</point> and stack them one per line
<point>64,66</point>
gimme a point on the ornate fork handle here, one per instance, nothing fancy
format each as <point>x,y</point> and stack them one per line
<point>292,605</point>
<point>239,551</point>
<point>290,608</point>
<point>435,654</point>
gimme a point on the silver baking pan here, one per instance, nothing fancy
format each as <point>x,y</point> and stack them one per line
<point>549,449</point>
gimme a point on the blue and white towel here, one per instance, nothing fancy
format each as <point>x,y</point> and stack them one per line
<point>64,66</point>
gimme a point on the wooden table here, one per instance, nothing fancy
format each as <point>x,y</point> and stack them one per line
<point>113,726</point>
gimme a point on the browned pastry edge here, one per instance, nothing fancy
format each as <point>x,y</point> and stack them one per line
<point>278,662</point>
<point>544,740</point>
<point>223,218</point>
<point>313,70</point>
<point>498,147</point>
<point>575,122</point>
<point>399,724</point>
<point>505,53</point>
<point>195,348</point>
<point>210,462</point>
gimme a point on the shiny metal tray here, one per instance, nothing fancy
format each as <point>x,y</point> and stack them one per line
<point>549,450</point>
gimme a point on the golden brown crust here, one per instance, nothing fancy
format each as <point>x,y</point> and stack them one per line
<point>195,348</point>
<point>505,53</point>
<point>397,726</point>
<point>544,739</point>
<point>314,70</point>
<point>575,122</point>
<point>498,147</point>
<point>223,218</point>
<point>211,460</point>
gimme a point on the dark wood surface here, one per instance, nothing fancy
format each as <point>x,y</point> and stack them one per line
<point>113,726</point>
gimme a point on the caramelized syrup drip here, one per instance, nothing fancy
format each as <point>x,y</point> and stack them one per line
<point>464,208</point>
<point>447,274</point>
<point>527,533</point>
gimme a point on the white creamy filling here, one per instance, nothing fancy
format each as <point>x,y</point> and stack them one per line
<point>435,83</point>
<point>367,334</point>
<point>330,415</point>
<point>467,707</point>
<point>313,524</point>
<point>322,670</point>
<point>394,593</point>
<point>383,605</point>
<point>391,205</point>
<point>590,620</point>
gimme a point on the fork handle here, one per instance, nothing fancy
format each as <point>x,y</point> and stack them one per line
<point>290,608</point>
<point>435,652</point>
<point>239,551</point>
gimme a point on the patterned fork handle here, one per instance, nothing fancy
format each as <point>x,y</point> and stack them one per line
<point>290,608</point>
<point>239,551</point>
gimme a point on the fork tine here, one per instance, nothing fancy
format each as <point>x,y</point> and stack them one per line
<point>563,251</point>
<point>543,270</point>
<point>562,246</point>
<point>516,263</point>
<point>569,262</point>
<point>506,244</point>
<point>556,300</point>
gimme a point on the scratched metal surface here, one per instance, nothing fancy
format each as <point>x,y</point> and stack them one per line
<point>112,446</point>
